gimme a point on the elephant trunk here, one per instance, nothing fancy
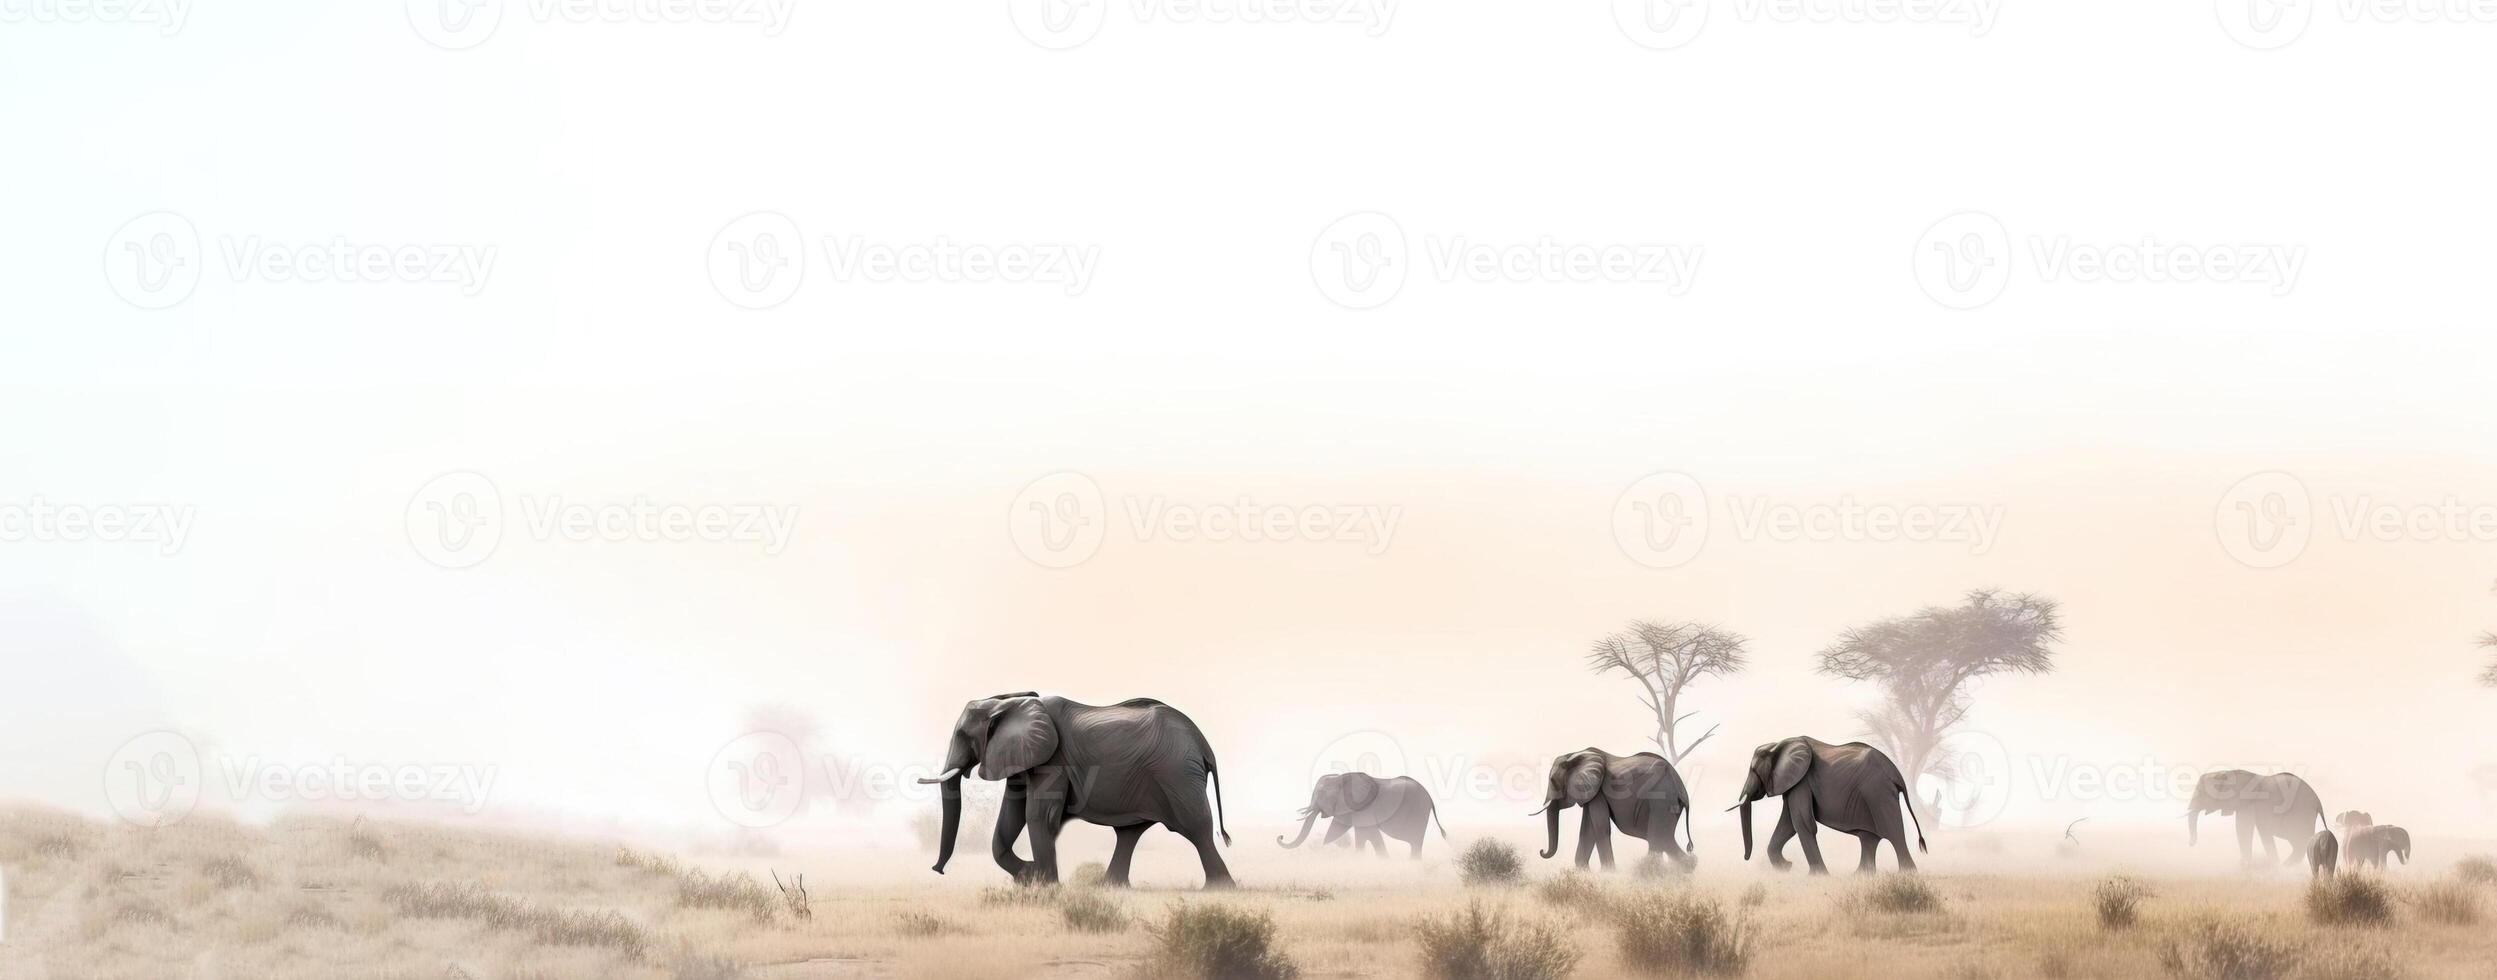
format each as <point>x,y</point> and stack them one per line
<point>1309,819</point>
<point>953,823</point>
<point>1551,829</point>
<point>2193,827</point>
<point>1745,806</point>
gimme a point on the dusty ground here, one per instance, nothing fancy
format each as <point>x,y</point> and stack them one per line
<point>328,898</point>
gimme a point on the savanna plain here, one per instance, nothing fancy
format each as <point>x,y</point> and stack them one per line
<point>317,897</point>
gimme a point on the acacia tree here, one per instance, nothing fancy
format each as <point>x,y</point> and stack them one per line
<point>1924,661</point>
<point>1666,659</point>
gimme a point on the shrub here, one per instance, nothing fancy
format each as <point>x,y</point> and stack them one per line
<point>551,927</point>
<point>1900,894</point>
<point>2477,869</point>
<point>1479,945</point>
<point>1755,896</point>
<point>2214,950</point>
<point>1490,862</point>
<point>1217,942</point>
<point>1090,874</point>
<point>1571,890</point>
<point>365,844</point>
<point>310,916</point>
<point>1090,911</point>
<point>2349,899</point>
<point>2451,902</point>
<point>737,892</point>
<point>1682,933</point>
<point>2345,962</point>
<point>2119,902</point>
<point>230,872</point>
<point>921,924</point>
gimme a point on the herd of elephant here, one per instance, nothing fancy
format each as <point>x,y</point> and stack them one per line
<point>1132,765</point>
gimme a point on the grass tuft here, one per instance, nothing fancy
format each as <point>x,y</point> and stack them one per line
<point>1899,895</point>
<point>2330,961</point>
<point>737,892</point>
<point>1090,911</point>
<point>1682,933</point>
<point>1479,945</point>
<point>2349,899</point>
<point>2119,900</point>
<point>1490,862</point>
<point>1217,942</point>
<point>2477,869</point>
<point>2216,950</point>
<point>1571,889</point>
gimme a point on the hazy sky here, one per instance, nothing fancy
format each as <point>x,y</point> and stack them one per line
<point>1490,441</point>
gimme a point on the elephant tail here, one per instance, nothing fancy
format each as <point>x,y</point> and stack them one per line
<point>1443,828</point>
<point>1910,803</point>
<point>1216,775</point>
<point>1690,842</point>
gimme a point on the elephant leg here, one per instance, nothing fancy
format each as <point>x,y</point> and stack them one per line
<point>1416,844</point>
<point>1595,833</point>
<point>2245,841</point>
<point>1892,827</point>
<point>1660,820</point>
<point>1872,847</point>
<point>1124,854</point>
<point>1808,832</point>
<point>1778,836</point>
<point>1201,834</point>
<point>1367,839</point>
<point>1337,827</point>
<point>1047,817</point>
<point>1010,812</point>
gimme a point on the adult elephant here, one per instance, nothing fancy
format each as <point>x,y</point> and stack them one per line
<point>1851,788</point>
<point>1368,808</point>
<point>1641,794</point>
<point>2369,846</point>
<point>1126,766</point>
<point>2279,806</point>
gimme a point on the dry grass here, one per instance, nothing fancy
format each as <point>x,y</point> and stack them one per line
<point>2477,869</point>
<point>2349,899</point>
<point>1091,911</point>
<point>1217,942</point>
<point>1682,933</point>
<point>112,903</point>
<point>1490,862</point>
<point>2118,901</point>
<point>1489,945</point>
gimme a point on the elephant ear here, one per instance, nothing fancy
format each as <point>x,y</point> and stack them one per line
<point>1365,804</point>
<point>1586,778</point>
<point>1793,760</point>
<point>1020,736</point>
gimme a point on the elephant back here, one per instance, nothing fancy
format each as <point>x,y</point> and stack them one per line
<point>1370,801</point>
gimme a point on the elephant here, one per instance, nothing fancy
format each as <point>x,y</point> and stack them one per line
<point>1126,766</point>
<point>2278,806</point>
<point>2368,847</point>
<point>1641,794</point>
<point>2353,821</point>
<point>1369,807</point>
<point>1851,788</point>
<point>2323,854</point>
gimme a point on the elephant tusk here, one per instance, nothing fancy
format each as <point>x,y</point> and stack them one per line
<point>947,774</point>
<point>1539,810</point>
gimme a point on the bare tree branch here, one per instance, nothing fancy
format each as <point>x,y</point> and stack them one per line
<point>1924,661</point>
<point>1666,658</point>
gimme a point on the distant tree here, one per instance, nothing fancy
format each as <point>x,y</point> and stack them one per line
<point>1924,661</point>
<point>1666,659</point>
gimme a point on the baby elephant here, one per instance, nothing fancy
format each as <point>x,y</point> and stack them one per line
<point>2324,854</point>
<point>2369,846</point>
